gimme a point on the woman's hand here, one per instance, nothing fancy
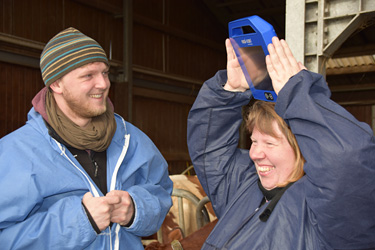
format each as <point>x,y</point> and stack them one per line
<point>281,64</point>
<point>236,79</point>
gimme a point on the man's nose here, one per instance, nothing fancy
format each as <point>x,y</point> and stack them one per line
<point>102,82</point>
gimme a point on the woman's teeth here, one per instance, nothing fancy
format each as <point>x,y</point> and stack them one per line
<point>265,169</point>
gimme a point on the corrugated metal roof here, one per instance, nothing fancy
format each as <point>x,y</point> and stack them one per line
<point>347,62</point>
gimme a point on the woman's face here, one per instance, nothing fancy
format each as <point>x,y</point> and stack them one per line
<point>274,158</point>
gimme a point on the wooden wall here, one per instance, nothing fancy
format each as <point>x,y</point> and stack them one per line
<point>176,39</point>
<point>18,85</point>
<point>361,112</point>
<point>176,45</point>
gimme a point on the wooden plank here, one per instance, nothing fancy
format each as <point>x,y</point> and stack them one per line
<point>148,47</point>
<point>350,70</point>
<point>176,156</point>
<point>355,97</point>
<point>165,96</point>
<point>361,112</point>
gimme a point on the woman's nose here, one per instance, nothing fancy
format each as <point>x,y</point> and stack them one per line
<point>256,153</point>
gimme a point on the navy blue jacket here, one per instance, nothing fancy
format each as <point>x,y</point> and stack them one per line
<point>331,207</point>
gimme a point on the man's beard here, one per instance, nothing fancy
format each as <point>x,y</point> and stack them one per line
<point>83,109</point>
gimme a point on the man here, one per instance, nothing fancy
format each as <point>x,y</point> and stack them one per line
<point>77,176</point>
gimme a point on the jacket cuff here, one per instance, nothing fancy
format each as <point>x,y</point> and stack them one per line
<point>133,216</point>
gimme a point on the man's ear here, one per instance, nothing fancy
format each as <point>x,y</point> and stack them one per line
<point>56,86</point>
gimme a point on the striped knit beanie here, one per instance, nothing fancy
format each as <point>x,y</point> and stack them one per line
<point>68,50</point>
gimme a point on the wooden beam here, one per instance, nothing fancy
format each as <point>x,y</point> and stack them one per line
<point>162,95</point>
<point>160,74</point>
<point>178,33</point>
<point>19,59</point>
<point>219,13</point>
<point>351,88</point>
<point>358,97</point>
<point>366,49</point>
<point>21,42</point>
<point>176,156</point>
<point>269,12</point>
<point>233,2</point>
<point>102,6</point>
<point>350,70</point>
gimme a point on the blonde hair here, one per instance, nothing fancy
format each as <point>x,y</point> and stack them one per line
<point>261,115</point>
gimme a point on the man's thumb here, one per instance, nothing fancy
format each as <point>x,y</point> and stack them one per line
<point>87,195</point>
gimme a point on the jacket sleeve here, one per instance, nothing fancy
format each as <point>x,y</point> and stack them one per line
<point>30,221</point>
<point>340,161</point>
<point>213,135</point>
<point>149,184</point>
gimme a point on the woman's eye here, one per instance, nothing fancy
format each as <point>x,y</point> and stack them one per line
<point>271,144</point>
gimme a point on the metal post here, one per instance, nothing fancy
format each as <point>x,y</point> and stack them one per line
<point>295,28</point>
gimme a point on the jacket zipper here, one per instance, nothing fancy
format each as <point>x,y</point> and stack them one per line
<point>113,179</point>
<point>92,187</point>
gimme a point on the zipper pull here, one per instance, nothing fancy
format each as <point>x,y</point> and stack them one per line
<point>96,168</point>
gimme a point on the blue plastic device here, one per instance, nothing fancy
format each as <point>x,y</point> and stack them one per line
<point>250,37</point>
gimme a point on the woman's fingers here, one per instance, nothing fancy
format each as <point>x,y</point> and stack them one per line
<point>281,64</point>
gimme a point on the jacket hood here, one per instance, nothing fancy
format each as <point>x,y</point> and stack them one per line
<point>39,103</point>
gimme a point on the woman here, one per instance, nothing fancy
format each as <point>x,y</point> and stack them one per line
<point>331,206</point>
